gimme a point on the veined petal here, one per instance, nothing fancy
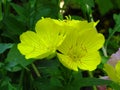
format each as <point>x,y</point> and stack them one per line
<point>68,42</point>
<point>67,62</point>
<point>25,49</point>
<point>90,61</point>
<point>51,31</point>
<point>29,37</point>
<point>82,48</point>
<point>91,40</point>
<point>31,46</point>
<point>49,34</point>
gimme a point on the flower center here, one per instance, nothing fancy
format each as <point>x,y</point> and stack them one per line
<point>76,53</point>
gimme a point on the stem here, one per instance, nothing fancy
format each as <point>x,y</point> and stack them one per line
<point>60,14</point>
<point>110,36</point>
<point>36,70</point>
<point>91,75</point>
<point>21,78</point>
<point>104,51</point>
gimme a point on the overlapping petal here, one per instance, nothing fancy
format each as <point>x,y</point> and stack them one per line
<point>48,36</point>
<point>80,49</point>
<point>77,41</point>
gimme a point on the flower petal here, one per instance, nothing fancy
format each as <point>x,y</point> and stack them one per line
<point>68,42</point>
<point>117,68</point>
<point>50,31</point>
<point>67,62</point>
<point>91,40</point>
<point>31,45</point>
<point>111,72</point>
<point>89,61</point>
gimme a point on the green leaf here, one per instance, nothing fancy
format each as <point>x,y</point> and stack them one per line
<point>77,4</point>
<point>20,10</point>
<point>13,28</point>
<point>93,81</point>
<point>75,84</point>
<point>104,6</point>
<point>89,82</point>
<point>117,19</point>
<point>15,61</point>
<point>1,14</point>
<point>114,30</point>
<point>116,3</point>
<point>83,3</point>
<point>5,46</point>
<point>32,3</point>
<point>47,8</point>
<point>55,82</point>
<point>115,86</point>
<point>6,85</point>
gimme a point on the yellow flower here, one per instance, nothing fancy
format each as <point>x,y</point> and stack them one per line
<point>80,48</point>
<point>113,72</point>
<point>48,35</point>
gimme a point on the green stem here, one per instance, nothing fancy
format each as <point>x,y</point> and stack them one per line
<point>60,14</point>
<point>21,79</point>
<point>91,75</point>
<point>104,51</point>
<point>110,36</point>
<point>36,70</point>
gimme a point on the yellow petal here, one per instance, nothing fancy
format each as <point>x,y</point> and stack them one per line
<point>67,62</point>
<point>111,72</point>
<point>91,40</point>
<point>68,42</point>
<point>49,34</point>
<point>90,61</point>
<point>117,68</point>
<point>31,46</point>
<point>83,48</point>
<point>51,31</point>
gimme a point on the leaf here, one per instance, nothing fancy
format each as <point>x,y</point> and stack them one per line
<point>20,10</point>
<point>6,85</point>
<point>104,6</point>
<point>75,85</point>
<point>47,8</point>
<point>13,28</point>
<point>77,4</point>
<point>15,61</point>
<point>5,46</point>
<point>116,18</point>
<point>116,3</point>
<point>115,86</point>
<point>114,30</point>
<point>82,82</point>
<point>55,82</point>
<point>93,81</point>
<point>1,16</point>
<point>32,3</point>
<point>117,21</point>
<point>83,3</point>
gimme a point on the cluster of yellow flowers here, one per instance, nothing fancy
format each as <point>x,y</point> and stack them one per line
<point>75,42</point>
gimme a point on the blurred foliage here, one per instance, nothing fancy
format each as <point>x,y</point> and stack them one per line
<point>18,16</point>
